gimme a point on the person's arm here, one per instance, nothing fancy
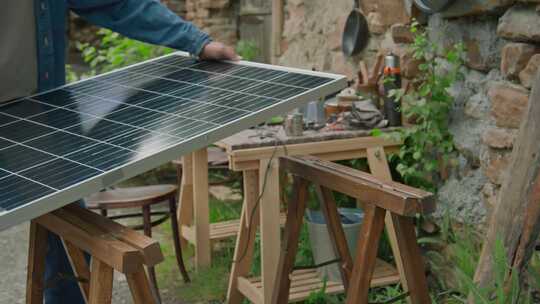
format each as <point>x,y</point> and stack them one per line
<point>150,21</point>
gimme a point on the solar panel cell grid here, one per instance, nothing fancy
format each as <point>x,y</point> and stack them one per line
<point>65,138</point>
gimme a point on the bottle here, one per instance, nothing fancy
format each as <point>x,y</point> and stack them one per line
<point>392,76</point>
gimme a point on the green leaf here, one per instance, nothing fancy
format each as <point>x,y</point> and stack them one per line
<point>376,133</point>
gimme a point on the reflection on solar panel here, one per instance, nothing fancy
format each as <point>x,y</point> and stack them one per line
<point>64,144</point>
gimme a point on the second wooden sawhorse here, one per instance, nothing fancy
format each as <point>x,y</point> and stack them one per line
<point>382,198</point>
<point>260,167</point>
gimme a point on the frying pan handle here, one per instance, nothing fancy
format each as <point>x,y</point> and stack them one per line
<point>356,4</point>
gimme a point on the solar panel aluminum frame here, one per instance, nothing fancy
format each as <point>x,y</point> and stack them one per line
<point>68,195</point>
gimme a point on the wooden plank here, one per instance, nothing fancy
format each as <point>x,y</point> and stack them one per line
<point>101,283</point>
<point>516,221</point>
<point>80,267</point>
<point>330,156</point>
<point>245,242</point>
<point>289,247</point>
<point>277,28</point>
<point>366,255</point>
<point>335,230</point>
<point>414,268</point>
<point>251,292</point>
<point>188,233</point>
<point>378,166</point>
<point>117,254</point>
<point>37,250</point>
<point>140,288</point>
<point>306,281</point>
<point>390,196</point>
<point>149,248</point>
<point>342,145</point>
<point>201,223</point>
<point>270,228</point>
<point>251,138</point>
<point>185,195</point>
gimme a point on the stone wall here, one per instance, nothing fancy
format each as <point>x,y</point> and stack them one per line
<point>503,54</point>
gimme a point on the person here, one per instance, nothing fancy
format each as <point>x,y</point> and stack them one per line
<point>32,59</point>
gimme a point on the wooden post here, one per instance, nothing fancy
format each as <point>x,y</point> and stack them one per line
<point>366,255</point>
<point>414,269</point>
<point>37,250</point>
<point>101,283</point>
<point>185,197</point>
<point>270,226</point>
<point>79,266</point>
<point>516,218</point>
<point>336,233</point>
<point>378,165</point>
<point>138,285</point>
<point>203,254</point>
<point>293,228</point>
<point>277,28</point>
<point>245,242</point>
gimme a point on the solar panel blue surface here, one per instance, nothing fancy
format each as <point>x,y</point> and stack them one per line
<point>64,144</point>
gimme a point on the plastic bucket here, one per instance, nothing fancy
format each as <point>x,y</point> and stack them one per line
<point>321,244</point>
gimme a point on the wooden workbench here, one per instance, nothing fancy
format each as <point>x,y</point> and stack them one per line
<point>255,152</point>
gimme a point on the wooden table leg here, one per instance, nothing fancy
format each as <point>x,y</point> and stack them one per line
<point>203,252</point>
<point>378,165</point>
<point>366,255</point>
<point>185,196</point>
<point>245,242</point>
<point>101,283</point>
<point>37,250</point>
<point>140,288</point>
<point>270,226</point>
<point>293,228</point>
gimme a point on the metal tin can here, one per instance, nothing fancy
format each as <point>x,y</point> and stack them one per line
<point>294,125</point>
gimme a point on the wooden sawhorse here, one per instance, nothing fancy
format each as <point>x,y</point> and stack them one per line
<point>260,167</point>
<point>111,246</point>
<point>400,202</point>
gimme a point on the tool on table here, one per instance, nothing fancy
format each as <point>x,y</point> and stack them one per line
<point>356,33</point>
<point>392,81</point>
<point>367,80</point>
<point>364,115</point>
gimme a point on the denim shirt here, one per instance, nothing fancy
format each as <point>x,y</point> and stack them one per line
<point>145,20</point>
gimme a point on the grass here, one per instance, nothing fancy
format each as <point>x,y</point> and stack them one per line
<point>208,285</point>
<point>450,250</point>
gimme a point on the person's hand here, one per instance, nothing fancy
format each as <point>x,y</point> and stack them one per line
<point>218,51</point>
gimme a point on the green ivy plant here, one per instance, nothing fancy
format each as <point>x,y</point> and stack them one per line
<point>247,49</point>
<point>428,144</point>
<point>116,51</point>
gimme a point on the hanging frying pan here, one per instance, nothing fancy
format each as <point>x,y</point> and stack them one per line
<point>433,6</point>
<point>356,33</point>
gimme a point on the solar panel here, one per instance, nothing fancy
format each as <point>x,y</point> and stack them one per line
<point>61,145</point>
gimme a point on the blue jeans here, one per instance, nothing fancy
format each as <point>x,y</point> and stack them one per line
<point>61,287</point>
